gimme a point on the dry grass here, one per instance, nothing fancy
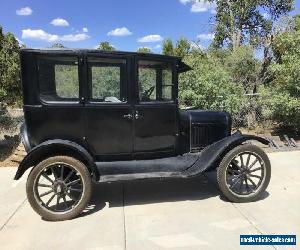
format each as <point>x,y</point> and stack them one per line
<point>10,122</point>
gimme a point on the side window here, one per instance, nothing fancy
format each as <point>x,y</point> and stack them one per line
<point>58,79</point>
<point>155,80</point>
<point>107,80</point>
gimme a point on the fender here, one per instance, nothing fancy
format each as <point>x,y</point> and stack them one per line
<point>25,138</point>
<point>210,155</point>
<point>55,147</point>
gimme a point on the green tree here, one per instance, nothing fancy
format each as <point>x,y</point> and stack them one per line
<point>106,46</point>
<point>248,21</point>
<point>243,67</point>
<point>144,50</point>
<point>209,85</point>
<point>183,47</point>
<point>58,45</point>
<point>284,88</point>
<point>168,48</point>
<point>10,83</point>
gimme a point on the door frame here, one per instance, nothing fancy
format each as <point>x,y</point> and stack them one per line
<point>88,102</point>
<point>154,104</point>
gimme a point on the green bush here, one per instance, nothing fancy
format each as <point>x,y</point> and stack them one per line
<point>10,83</point>
<point>209,85</point>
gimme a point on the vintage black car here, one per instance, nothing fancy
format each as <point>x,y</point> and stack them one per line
<point>101,116</point>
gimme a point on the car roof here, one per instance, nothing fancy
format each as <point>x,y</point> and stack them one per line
<point>58,51</point>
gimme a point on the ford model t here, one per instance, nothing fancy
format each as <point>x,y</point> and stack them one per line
<point>113,116</point>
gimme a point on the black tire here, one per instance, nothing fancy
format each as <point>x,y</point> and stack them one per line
<point>73,185</point>
<point>233,172</point>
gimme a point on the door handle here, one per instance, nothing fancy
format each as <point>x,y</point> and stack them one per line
<point>138,115</point>
<point>128,116</point>
<point>82,100</point>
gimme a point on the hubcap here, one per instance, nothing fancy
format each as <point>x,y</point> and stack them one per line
<point>245,173</point>
<point>58,187</point>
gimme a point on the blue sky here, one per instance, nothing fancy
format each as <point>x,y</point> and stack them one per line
<point>127,25</point>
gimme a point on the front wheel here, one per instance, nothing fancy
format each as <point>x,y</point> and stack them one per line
<point>59,188</point>
<point>244,173</point>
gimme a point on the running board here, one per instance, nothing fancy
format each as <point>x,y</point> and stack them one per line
<point>139,176</point>
<point>170,165</point>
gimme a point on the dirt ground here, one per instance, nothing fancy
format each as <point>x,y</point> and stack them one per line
<point>11,153</point>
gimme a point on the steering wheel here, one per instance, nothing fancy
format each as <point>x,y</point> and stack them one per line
<point>148,93</point>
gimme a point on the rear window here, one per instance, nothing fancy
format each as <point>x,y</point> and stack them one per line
<point>58,79</point>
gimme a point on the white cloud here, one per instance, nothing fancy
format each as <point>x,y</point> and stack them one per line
<point>119,32</point>
<point>26,11</point>
<point>158,46</point>
<point>185,1</point>
<point>44,36</point>
<point>38,35</point>
<point>200,5</point>
<point>85,30</point>
<point>74,38</point>
<point>208,36</point>
<point>150,39</point>
<point>60,22</point>
<point>213,11</point>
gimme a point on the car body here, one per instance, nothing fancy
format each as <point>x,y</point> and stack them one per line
<point>117,114</point>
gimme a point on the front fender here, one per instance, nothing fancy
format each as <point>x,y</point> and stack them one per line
<point>56,147</point>
<point>214,152</point>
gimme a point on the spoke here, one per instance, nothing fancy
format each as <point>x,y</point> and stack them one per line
<point>54,173</point>
<point>236,165</point>
<point>71,197</point>
<point>253,163</point>
<point>242,160</point>
<point>48,192</point>
<point>247,186</point>
<point>48,202</point>
<point>240,187</point>
<point>233,171</point>
<point>47,177</point>
<point>65,202</point>
<point>236,182</point>
<point>44,185</point>
<point>62,172</point>
<point>57,202</point>
<point>69,175</point>
<point>255,176</point>
<point>256,169</point>
<point>73,182</point>
<point>252,182</point>
<point>75,189</point>
<point>248,160</point>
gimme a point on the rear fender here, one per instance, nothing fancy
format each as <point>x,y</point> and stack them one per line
<point>57,147</point>
<point>25,138</point>
<point>210,155</point>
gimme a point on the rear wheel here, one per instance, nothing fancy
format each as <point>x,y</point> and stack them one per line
<point>59,188</point>
<point>244,173</point>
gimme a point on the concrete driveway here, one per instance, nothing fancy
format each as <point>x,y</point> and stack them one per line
<point>172,214</point>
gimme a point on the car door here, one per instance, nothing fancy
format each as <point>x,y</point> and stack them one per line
<point>57,112</point>
<point>155,123</point>
<point>108,109</point>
